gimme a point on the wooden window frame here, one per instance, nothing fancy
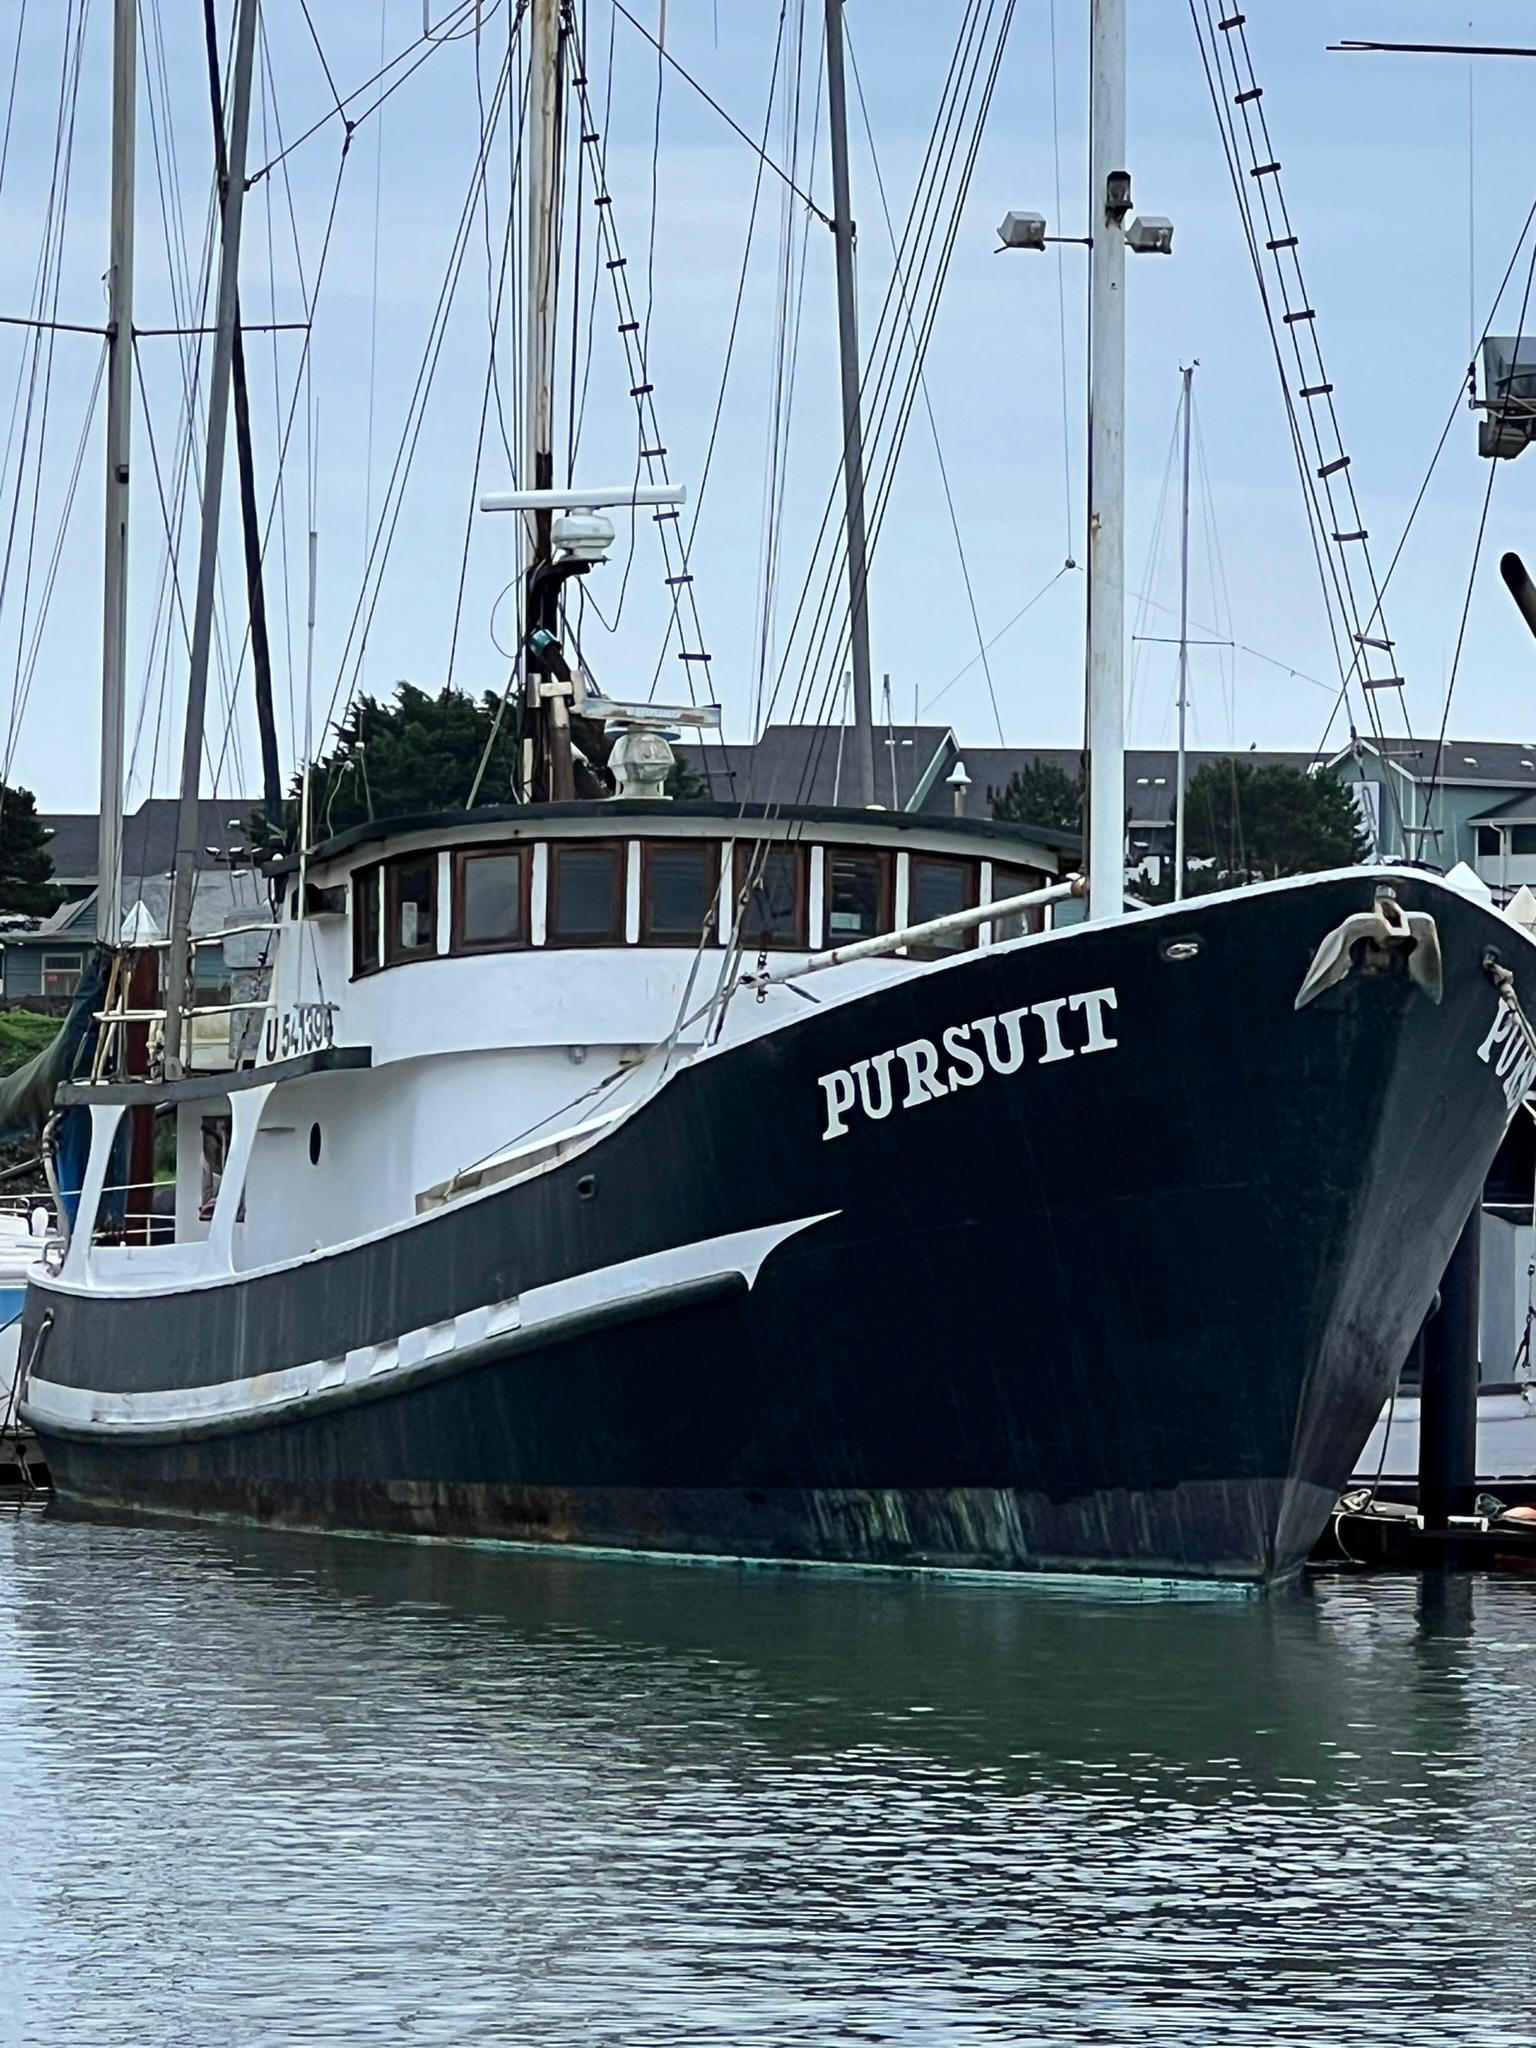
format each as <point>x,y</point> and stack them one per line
<point>711,928</point>
<point>968,939</point>
<point>615,933</point>
<point>392,868</point>
<point>801,855</point>
<point>1034,920</point>
<point>462,948</point>
<point>885,909</point>
<point>361,877</point>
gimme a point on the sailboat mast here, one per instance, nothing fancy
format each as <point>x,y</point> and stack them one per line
<point>178,963</point>
<point>546,692</point>
<point>114,622</point>
<point>853,434</point>
<point>1178,793</point>
<point>1109,196</point>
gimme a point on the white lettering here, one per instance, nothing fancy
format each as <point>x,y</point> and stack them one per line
<point>920,1057</point>
<point>967,1055</point>
<point>838,1088</point>
<point>1093,1004</point>
<point>878,1104</point>
<point>973,1067</point>
<point>1049,1013</point>
<point>1012,1022</point>
<point>1499,1030</point>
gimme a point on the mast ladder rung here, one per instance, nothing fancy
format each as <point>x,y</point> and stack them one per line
<point>590,135</point>
<point>684,655</point>
<point>641,390</point>
<point>1360,534</point>
<point>1254,92</point>
<point>602,199</point>
<point>1232,21</point>
<point>1263,170</point>
<point>1333,468</point>
<point>1306,313</point>
<point>667,512</point>
<point>617,262</point>
<point>1282,242</point>
<point>1381,682</point>
<point>1315,390</point>
<point>629,327</point>
<point>1365,640</point>
<point>579,83</point>
<point>652,454</point>
<point>672,581</point>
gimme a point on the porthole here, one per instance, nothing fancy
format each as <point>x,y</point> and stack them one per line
<point>314,1144</point>
<point>586,1187</point>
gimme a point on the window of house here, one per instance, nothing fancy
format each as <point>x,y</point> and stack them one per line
<point>1011,881</point>
<point>365,920</point>
<point>936,887</point>
<point>586,894</point>
<point>1522,839</point>
<point>858,895</point>
<point>410,909</point>
<point>678,885</point>
<point>61,973</point>
<point>1488,841</point>
<point>774,882</point>
<point>491,898</point>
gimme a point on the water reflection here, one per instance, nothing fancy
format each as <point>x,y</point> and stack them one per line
<point>259,1788</point>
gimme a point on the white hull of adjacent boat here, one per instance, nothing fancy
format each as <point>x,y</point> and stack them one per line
<point>1506,1446</point>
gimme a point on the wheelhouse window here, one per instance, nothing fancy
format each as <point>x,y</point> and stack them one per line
<point>586,894</point>
<point>771,890</point>
<point>366,885</point>
<point>410,909</point>
<point>678,885</point>
<point>859,894</point>
<point>490,898</point>
<point>1010,881</point>
<point>937,887</point>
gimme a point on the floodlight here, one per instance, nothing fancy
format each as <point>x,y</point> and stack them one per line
<point>1022,231</point>
<point>1150,235</point>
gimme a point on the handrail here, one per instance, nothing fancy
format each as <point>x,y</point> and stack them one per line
<point>920,934</point>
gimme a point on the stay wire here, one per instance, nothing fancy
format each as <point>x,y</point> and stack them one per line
<point>1477,551</point>
<point>933,424</point>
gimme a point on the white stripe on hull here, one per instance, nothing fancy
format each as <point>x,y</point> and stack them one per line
<point>740,1254</point>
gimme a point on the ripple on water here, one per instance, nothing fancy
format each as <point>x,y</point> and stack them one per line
<point>268,1789</point>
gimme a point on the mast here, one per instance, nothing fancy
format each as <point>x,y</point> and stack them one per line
<point>178,962</point>
<point>114,622</point>
<point>547,692</point>
<point>853,436</point>
<point>250,520</point>
<point>1109,202</point>
<point>1178,794</point>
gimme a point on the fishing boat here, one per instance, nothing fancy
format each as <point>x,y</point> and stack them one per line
<point>765,1180</point>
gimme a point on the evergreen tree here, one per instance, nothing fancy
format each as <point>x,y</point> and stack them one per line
<point>26,866</point>
<point>1040,794</point>
<point>1252,821</point>
<point>419,753</point>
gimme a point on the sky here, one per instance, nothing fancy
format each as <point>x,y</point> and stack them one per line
<point>1408,179</point>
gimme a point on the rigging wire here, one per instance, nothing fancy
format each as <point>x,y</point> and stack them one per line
<point>1477,551</point>
<point>666,56</point>
<point>933,424</point>
<point>1061,296</point>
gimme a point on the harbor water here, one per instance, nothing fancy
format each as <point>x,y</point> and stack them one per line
<point>259,1788</point>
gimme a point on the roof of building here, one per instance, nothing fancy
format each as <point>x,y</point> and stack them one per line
<point>149,836</point>
<point>1462,761</point>
<point>1514,810</point>
<point>813,764</point>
